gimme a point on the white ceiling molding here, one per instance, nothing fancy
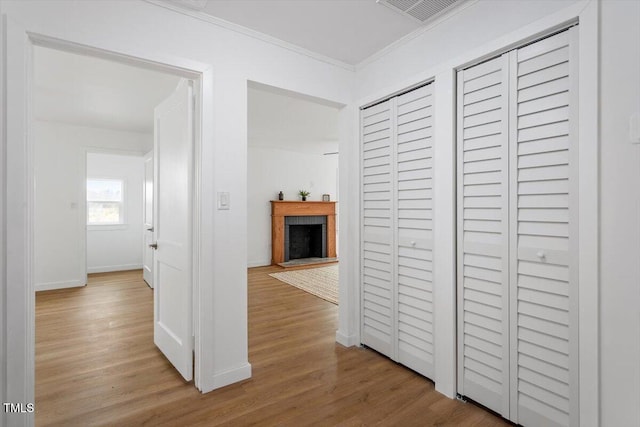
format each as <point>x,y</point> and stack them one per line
<point>442,17</point>
<point>175,6</point>
<point>191,4</point>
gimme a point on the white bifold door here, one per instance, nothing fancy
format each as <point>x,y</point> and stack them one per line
<point>397,229</point>
<point>517,233</point>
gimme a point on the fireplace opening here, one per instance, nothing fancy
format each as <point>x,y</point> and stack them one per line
<point>305,237</point>
<point>305,241</point>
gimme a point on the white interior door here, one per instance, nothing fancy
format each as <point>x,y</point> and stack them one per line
<point>414,229</point>
<point>544,283</point>
<point>378,296</point>
<point>172,263</point>
<point>483,234</point>
<point>147,251</point>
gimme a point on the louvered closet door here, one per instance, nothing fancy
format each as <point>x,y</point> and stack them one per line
<point>517,248</point>
<point>483,239</point>
<point>544,208</point>
<point>378,331</point>
<point>414,232</point>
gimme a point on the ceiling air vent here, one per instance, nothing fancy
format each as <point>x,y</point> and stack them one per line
<point>420,10</point>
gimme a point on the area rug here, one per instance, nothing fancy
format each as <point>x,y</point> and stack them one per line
<point>321,282</point>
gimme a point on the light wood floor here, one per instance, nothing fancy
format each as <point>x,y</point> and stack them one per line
<point>96,364</point>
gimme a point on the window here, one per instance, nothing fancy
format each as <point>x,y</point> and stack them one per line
<point>105,201</point>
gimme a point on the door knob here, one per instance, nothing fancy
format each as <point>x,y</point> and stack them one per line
<point>541,255</point>
<point>413,243</point>
<point>154,245</point>
<point>150,229</point>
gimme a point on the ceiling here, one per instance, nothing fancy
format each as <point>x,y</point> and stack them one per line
<point>345,30</point>
<point>88,91</point>
<point>287,120</point>
<point>93,92</point>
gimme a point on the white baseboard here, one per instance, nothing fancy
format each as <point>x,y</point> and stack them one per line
<point>251,264</point>
<point>347,340</point>
<point>110,268</point>
<point>225,378</point>
<point>449,391</point>
<point>60,285</point>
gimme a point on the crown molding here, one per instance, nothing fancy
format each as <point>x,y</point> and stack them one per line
<point>251,33</point>
<point>416,33</point>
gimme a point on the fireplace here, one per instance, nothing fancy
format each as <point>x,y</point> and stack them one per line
<point>305,237</point>
<point>302,230</point>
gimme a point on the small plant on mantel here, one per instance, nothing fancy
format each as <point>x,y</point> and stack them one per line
<point>303,194</point>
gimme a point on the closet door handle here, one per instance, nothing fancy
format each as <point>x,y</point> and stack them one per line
<point>150,229</point>
<point>541,255</point>
<point>154,245</point>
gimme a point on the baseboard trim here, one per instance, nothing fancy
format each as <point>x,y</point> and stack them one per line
<point>450,392</point>
<point>252,264</point>
<point>226,378</point>
<point>60,285</point>
<point>110,268</point>
<point>346,340</point>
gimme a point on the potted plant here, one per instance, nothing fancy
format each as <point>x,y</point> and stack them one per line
<point>303,194</point>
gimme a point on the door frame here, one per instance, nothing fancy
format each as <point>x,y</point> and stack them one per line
<point>147,157</point>
<point>20,287</point>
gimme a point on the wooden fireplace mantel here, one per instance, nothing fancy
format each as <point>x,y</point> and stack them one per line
<point>283,208</point>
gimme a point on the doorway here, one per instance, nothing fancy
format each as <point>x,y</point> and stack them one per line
<point>292,148</point>
<point>89,141</point>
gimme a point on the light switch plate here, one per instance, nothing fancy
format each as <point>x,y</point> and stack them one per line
<point>224,200</point>
<point>634,128</point>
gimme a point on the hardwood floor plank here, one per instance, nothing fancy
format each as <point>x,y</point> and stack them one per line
<point>96,364</point>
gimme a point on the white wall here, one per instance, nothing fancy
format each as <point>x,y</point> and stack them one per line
<point>620,215</point>
<point>117,247</point>
<point>228,60</point>
<point>60,171</point>
<point>275,169</point>
<point>59,238</point>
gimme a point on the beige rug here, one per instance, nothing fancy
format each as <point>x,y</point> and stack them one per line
<point>321,282</point>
